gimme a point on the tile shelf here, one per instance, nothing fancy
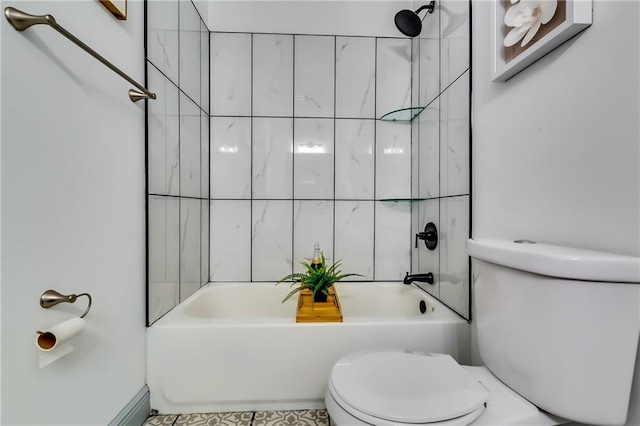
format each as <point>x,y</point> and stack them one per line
<point>402,115</point>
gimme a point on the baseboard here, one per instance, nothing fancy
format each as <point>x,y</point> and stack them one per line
<point>136,411</point>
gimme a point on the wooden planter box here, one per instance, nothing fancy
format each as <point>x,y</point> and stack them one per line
<point>308,311</point>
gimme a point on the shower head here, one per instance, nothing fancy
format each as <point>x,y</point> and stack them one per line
<point>408,21</point>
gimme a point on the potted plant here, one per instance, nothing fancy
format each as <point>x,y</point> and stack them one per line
<point>318,278</point>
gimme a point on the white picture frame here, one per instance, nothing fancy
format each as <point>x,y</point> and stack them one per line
<point>578,17</point>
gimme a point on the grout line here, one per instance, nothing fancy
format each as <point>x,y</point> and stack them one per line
<point>375,156</point>
<point>251,173</point>
<point>335,147</point>
<point>384,200</point>
<point>179,177</point>
<point>293,150</point>
<point>289,116</point>
<point>309,35</point>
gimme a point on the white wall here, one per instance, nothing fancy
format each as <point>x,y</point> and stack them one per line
<point>358,18</point>
<point>73,213</point>
<point>556,148</point>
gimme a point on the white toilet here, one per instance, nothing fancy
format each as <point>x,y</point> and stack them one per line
<point>557,330</point>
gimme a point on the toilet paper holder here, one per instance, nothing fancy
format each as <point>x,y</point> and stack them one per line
<point>51,298</point>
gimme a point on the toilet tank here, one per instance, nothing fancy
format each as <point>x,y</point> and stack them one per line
<point>559,325</point>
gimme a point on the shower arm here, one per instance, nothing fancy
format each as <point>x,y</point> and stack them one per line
<point>430,7</point>
<point>21,21</point>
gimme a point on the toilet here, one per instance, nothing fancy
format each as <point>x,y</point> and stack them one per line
<point>557,330</point>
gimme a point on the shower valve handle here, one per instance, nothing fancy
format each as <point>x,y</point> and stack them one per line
<point>429,236</point>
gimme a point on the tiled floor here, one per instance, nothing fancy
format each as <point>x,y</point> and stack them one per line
<point>259,418</point>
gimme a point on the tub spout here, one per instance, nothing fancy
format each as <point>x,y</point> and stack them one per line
<point>423,278</point>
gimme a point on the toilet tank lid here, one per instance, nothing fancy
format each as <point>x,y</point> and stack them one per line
<point>557,261</point>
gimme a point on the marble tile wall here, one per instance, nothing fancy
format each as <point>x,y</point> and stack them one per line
<point>441,151</point>
<point>177,153</point>
<point>298,157</point>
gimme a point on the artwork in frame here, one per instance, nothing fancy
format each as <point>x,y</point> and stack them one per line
<point>526,30</point>
<point>117,7</point>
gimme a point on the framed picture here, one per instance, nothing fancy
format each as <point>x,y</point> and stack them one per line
<point>117,7</point>
<point>526,30</point>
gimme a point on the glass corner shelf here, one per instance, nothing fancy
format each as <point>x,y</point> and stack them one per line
<point>404,114</point>
<point>401,200</point>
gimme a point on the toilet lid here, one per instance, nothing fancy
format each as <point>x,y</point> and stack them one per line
<point>406,387</point>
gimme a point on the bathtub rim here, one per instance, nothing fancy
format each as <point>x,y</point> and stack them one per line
<point>177,317</point>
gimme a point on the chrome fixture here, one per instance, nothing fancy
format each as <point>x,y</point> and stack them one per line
<point>423,278</point>
<point>408,21</point>
<point>21,21</point>
<point>51,298</point>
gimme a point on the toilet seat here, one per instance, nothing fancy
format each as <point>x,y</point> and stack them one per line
<point>399,387</point>
<point>365,419</point>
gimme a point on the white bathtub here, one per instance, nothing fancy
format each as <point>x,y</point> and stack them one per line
<point>235,347</point>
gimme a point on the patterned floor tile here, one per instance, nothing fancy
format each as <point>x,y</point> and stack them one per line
<point>215,419</point>
<point>160,420</point>
<point>292,418</point>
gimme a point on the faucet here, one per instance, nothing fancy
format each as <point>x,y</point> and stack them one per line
<point>423,278</point>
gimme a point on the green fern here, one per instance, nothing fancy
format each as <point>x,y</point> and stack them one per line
<point>316,280</point>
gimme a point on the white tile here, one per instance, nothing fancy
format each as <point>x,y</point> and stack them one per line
<point>415,72</point>
<point>415,158</point>
<point>454,39</point>
<point>431,24</point>
<point>164,250</point>
<point>272,171</point>
<point>354,237</point>
<point>190,159</point>
<point>204,241</point>
<point>429,59</point>
<point>205,144</point>
<point>454,60</point>
<point>312,223</point>
<point>230,157</point>
<point>164,138</point>
<point>354,159</point>
<point>428,172</point>
<point>424,260</point>
<point>190,210</point>
<point>393,75</point>
<point>313,158</point>
<point>454,262</point>
<point>355,77</point>
<point>272,75</point>
<point>392,240</point>
<point>205,73</point>
<point>162,37</point>
<point>163,297</point>
<point>230,74</point>
<point>393,160</point>
<point>454,138</point>
<point>190,51</point>
<point>271,238</point>
<point>230,240</point>
<point>314,76</point>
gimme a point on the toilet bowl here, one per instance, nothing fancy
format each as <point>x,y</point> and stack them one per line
<point>528,299</point>
<point>400,388</point>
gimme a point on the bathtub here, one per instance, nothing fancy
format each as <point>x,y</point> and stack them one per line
<point>236,347</point>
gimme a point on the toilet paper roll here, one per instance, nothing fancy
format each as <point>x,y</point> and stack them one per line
<point>50,338</point>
